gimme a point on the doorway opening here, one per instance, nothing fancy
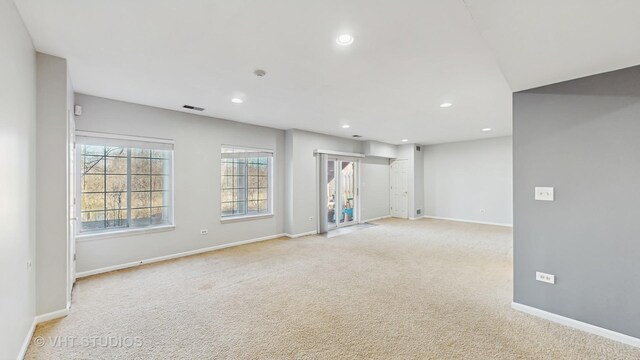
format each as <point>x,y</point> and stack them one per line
<point>341,192</point>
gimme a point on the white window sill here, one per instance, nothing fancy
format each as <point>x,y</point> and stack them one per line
<point>123,233</point>
<point>232,219</point>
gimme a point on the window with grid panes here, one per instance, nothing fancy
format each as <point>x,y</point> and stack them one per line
<point>245,182</point>
<point>123,184</point>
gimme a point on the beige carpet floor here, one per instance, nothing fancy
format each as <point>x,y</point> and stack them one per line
<point>425,289</point>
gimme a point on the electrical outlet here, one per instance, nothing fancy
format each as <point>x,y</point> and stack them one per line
<point>29,265</point>
<point>204,231</point>
<point>482,211</point>
<point>310,218</point>
<point>544,193</point>
<point>548,278</point>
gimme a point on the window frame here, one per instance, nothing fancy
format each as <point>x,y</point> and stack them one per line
<point>270,187</point>
<point>122,231</point>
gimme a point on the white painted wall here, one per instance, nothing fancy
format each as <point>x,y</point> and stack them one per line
<point>197,180</point>
<point>462,179</point>
<point>51,184</point>
<point>18,186</point>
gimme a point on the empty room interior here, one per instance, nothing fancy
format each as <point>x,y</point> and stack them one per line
<point>336,179</point>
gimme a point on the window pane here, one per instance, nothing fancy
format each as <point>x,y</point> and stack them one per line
<point>140,217</point>
<point>160,182</point>
<point>92,220</point>
<point>92,150</point>
<point>253,206</point>
<point>240,208</point>
<point>159,215</point>
<point>92,202</point>
<point>145,153</point>
<point>117,219</point>
<point>252,195</point>
<point>159,166</point>
<point>238,181</point>
<point>92,183</point>
<point>116,183</point>
<point>164,154</point>
<point>140,199</point>
<point>116,165</point>
<point>263,194</point>
<point>158,198</point>
<point>116,201</point>
<point>227,209</point>
<point>140,166</point>
<point>115,151</point>
<point>140,183</point>
<point>92,165</point>
<point>263,205</point>
<point>252,169</point>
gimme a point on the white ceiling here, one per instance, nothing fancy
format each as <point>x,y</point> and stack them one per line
<point>541,42</point>
<point>408,57</point>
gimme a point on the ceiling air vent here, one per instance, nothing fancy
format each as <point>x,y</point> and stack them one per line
<point>191,107</point>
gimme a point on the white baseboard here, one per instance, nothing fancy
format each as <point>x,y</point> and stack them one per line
<point>27,340</point>
<point>174,256</point>
<point>609,334</point>
<point>314,232</point>
<point>377,218</point>
<point>52,315</point>
<point>464,220</point>
<point>37,320</point>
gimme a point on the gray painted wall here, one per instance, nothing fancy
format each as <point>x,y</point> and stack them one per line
<point>470,180</point>
<point>18,190</point>
<point>197,183</point>
<point>196,180</point>
<point>583,138</point>
<point>51,206</point>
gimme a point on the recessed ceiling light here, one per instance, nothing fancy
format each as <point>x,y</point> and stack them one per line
<point>404,140</point>
<point>486,129</point>
<point>237,101</point>
<point>344,39</point>
<point>445,105</point>
<point>346,126</point>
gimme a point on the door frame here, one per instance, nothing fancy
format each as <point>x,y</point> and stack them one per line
<point>72,217</point>
<point>322,160</point>
<point>356,196</point>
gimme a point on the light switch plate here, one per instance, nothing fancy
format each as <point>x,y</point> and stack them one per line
<point>544,193</point>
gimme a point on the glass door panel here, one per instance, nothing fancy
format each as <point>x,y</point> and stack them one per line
<point>346,188</point>
<point>332,205</point>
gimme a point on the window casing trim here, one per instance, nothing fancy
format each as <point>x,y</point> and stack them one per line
<point>123,231</point>
<point>270,188</point>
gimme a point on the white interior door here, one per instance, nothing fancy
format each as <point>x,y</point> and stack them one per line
<point>399,184</point>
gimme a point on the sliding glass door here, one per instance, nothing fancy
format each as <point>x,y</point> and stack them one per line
<point>341,192</point>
